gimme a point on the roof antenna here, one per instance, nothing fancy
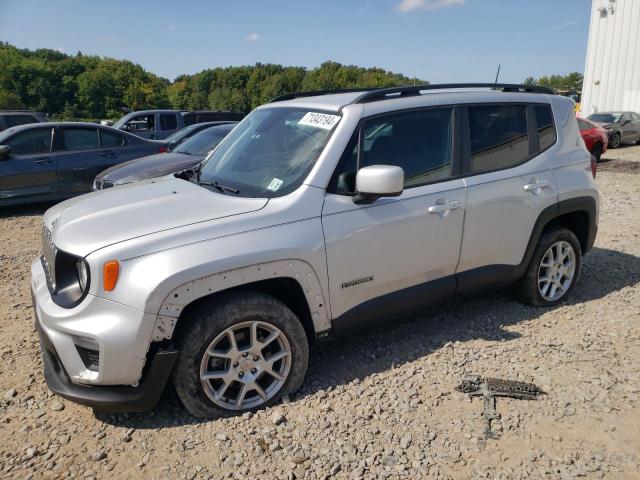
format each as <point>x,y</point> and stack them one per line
<point>497,74</point>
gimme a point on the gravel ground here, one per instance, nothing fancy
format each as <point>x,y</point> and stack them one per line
<point>379,405</point>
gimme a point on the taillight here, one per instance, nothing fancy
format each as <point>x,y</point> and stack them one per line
<point>163,149</point>
<point>594,166</point>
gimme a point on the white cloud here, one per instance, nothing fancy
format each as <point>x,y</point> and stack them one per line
<point>254,37</point>
<point>170,28</point>
<point>410,5</point>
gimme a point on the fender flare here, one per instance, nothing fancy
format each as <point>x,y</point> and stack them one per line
<point>298,270</point>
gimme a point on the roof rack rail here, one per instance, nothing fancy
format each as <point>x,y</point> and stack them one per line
<point>411,90</point>
<point>291,96</point>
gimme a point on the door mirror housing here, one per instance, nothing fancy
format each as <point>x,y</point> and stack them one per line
<point>5,151</point>
<point>378,181</point>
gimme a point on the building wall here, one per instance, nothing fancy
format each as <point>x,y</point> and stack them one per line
<point>612,69</point>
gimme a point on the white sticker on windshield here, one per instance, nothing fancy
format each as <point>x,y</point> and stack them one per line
<point>319,120</point>
<point>275,184</point>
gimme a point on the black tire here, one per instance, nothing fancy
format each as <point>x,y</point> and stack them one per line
<point>596,151</point>
<point>614,142</point>
<point>210,319</point>
<point>527,290</point>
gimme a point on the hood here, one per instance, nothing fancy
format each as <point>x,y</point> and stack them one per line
<point>605,124</point>
<point>95,220</point>
<point>152,166</point>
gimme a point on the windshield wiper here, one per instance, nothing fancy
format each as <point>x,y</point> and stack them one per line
<point>220,187</point>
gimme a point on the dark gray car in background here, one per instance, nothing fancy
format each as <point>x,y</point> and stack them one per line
<point>56,160</point>
<point>621,127</point>
<point>13,118</point>
<point>186,133</point>
<point>159,124</point>
<point>185,156</point>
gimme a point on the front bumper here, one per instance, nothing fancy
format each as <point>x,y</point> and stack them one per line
<point>114,398</point>
<point>122,334</point>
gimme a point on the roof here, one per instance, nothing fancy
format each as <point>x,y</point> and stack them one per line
<point>416,95</point>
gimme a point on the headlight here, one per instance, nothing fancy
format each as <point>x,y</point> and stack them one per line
<point>83,273</point>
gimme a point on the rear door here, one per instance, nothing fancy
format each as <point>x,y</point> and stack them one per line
<point>509,183</point>
<point>80,158</point>
<point>635,123</point>
<point>30,169</point>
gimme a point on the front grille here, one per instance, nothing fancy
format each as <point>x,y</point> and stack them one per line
<point>49,252</point>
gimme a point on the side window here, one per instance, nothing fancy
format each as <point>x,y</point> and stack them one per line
<point>419,142</point>
<point>110,139</point>
<point>168,121</point>
<point>13,120</point>
<point>636,117</point>
<point>190,119</point>
<point>80,138</point>
<point>141,123</point>
<point>498,137</point>
<point>37,140</point>
<point>546,130</point>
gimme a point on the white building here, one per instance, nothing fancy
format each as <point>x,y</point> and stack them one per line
<point>612,69</point>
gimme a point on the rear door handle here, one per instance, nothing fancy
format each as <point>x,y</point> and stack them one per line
<point>444,207</point>
<point>43,161</point>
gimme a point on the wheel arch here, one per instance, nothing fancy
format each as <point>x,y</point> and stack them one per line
<point>293,282</point>
<point>578,214</point>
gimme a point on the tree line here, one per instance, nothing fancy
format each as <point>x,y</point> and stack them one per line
<point>571,82</point>
<point>91,87</point>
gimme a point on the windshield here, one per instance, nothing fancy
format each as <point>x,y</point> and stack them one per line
<point>201,143</point>
<point>180,134</point>
<point>604,117</point>
<point>270,152</point>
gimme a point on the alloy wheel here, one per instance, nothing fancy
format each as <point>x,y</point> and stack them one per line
<point>246,365</point>
<point>556,271</point>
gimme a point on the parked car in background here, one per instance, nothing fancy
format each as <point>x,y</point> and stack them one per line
<point>594,136</point>
<point>56,160</point>
<point>180,136</point>
<point>186,156</point>
<point>621,127</point>
<point>13,118</point>
<point>159,124</point>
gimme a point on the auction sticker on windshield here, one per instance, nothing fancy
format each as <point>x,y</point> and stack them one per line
<point>275,184</point>
<point>319,120</point>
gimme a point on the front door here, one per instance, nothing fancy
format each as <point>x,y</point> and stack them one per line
<point>402,252</point>
<point>30,169</point>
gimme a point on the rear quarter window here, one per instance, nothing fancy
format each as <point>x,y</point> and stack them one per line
<point>546,129</point>
<point>111,139</point>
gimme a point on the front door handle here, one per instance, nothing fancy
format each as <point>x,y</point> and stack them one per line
<point>537,186</point>
<point>106,154</point>
<point>43,161</point>
<point>443,208</point>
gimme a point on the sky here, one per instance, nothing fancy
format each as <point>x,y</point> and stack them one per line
<point>435,40</point>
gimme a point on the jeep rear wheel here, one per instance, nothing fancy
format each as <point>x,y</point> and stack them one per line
<point>553,269</point>
<point>241,352</point>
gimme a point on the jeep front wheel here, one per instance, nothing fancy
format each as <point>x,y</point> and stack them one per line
<point>242,351</point>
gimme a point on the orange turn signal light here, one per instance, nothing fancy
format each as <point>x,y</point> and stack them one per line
<point>110,272</point>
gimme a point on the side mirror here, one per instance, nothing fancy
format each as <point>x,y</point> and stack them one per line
<point>5,151</point>
<point>378,181</point>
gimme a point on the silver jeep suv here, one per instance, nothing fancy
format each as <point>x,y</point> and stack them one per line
<point>317,214</point>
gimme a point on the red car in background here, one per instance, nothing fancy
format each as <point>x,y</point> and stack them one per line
<point>594,136</point>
